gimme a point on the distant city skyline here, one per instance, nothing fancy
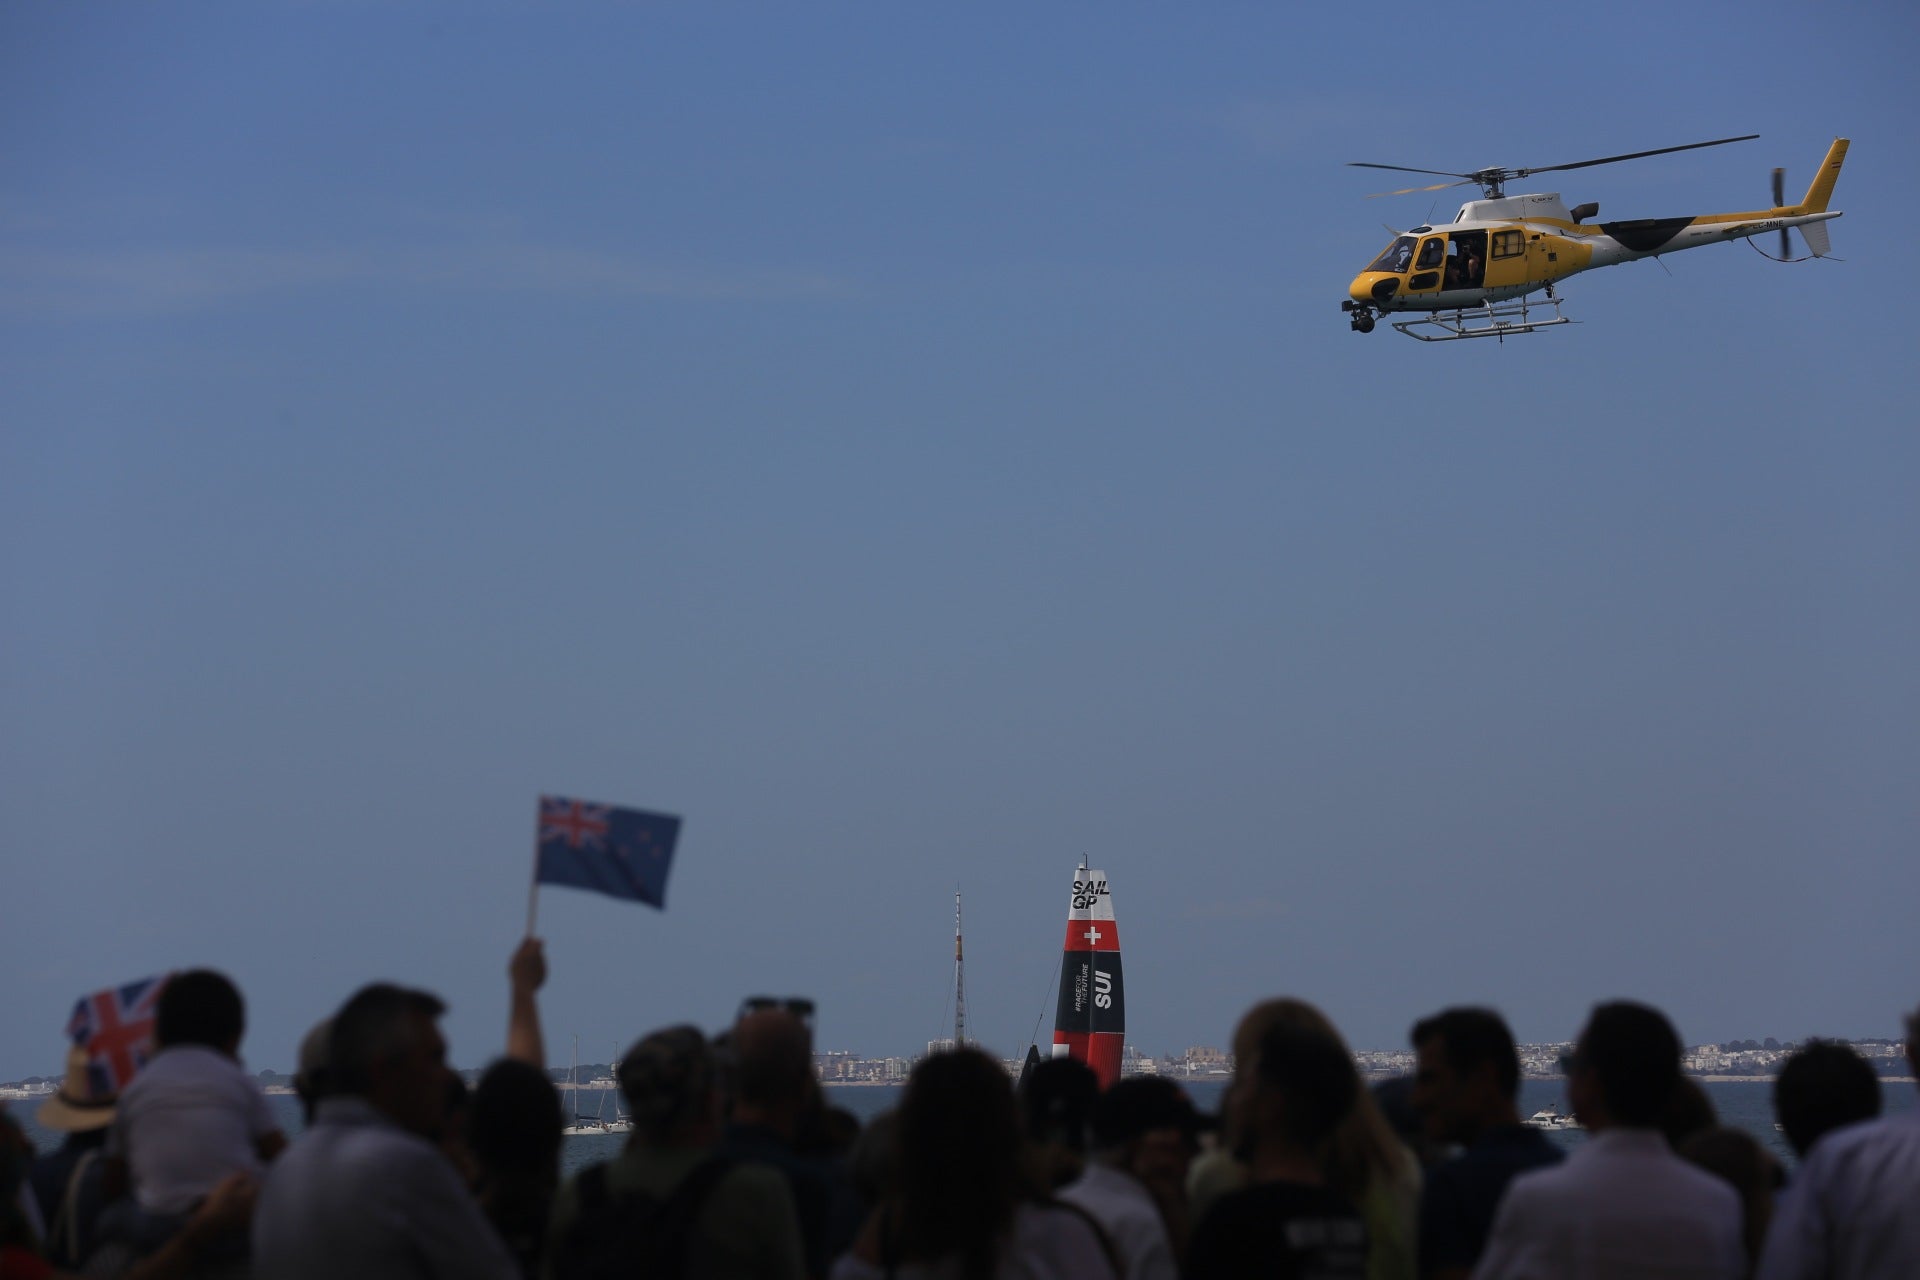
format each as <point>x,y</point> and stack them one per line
<point>1535,1057</point>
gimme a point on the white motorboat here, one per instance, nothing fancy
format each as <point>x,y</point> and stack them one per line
<point>1551,1117</point>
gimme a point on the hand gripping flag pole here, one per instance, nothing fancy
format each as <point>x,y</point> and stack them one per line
<point>623,853</point>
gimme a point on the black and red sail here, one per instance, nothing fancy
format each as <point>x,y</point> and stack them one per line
<point>1090,1022</point>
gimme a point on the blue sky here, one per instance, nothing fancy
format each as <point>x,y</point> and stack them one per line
<point>923,448</point>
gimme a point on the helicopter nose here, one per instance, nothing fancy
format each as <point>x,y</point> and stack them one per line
<point>1373,286</point>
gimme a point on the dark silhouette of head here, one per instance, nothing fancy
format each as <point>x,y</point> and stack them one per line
<point>514,1121</point>
<point>386,1048</point>
<point>1630,1056</point>
<point>669,1079</point>
<point>200,1007</point>
<point>1138,1106</point>
<point>1470,1038</point>
<point>1305,1084</point>
<point>1057,1100</point>
<point>1467,1076</point>
<point>1822,1086</point>
<point>958,1160</point>
<point>1146,1126</point>
<point>313,1078</point>
<point>772,1066</point>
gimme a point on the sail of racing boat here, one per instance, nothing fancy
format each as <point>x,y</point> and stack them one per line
<point>1090,1020</point>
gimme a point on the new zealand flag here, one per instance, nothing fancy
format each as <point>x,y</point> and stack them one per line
<point>623,853</point>
<point>115,1027</point>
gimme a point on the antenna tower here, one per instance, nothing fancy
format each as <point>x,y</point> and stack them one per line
<point>959,980</point>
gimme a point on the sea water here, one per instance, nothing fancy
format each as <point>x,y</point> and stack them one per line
<point>1742,1104</point>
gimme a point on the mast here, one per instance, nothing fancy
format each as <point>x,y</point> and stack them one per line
<point>959,980</point>
<point>1090,1022</point>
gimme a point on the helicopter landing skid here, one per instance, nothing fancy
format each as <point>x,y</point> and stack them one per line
<point>1495,320</point>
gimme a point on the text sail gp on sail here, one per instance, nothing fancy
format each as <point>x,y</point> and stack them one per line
<point>1090,1022</point>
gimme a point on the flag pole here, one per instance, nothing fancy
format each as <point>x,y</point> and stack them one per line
<point>533,887</point>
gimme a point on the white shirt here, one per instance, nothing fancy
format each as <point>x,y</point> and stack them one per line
<point>1621,1207</point>
<point>1853,1211</point>
<point>360,1198</point>
<point>1046,1244</point>
<point>190,1118</point>
<point>1121,1205</point>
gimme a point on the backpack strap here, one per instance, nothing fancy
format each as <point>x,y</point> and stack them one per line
<point>66,1215</point>
<point>1107,1246</point>
<point>675,1215</point>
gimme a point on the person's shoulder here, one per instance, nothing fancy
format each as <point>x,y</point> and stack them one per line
<point>156,1075</point>
<point>741,1171</point>
<point>749,1182</point>
<point>1517,1150</point>
<point>1842,1145</point>
<point>190,1066</point>
<point>1067,1235</point>
<point>1707,1186</point>
<point>1098,1184</point>
<point>1544,1182</point>
<point>400,1158</point>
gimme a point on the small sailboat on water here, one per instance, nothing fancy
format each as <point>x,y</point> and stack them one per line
<point>581,1124</point>
<point>620,1123</point>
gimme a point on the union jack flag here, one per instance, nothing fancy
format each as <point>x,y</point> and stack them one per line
<point>115,1027</point>
<point>574,823</point>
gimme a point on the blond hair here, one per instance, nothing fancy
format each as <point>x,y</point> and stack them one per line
<point>1363,1150</point>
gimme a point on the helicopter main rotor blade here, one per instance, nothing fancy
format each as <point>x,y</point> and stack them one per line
<point>1407,191</point>
<point>1633,155</point>
<point>1400,168</point>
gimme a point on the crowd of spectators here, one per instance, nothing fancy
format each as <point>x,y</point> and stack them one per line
<point>736,1166</point>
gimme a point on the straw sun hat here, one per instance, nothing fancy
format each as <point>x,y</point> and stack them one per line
<point>79,1106</point>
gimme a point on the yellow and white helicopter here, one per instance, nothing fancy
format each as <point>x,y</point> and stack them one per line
<point>1471,277</point>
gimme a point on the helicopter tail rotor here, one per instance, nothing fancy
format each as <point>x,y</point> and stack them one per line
<point>1779,201</point>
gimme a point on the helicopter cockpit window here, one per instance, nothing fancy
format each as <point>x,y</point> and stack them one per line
<point>1431,253</point>
<point>1397,258</point>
